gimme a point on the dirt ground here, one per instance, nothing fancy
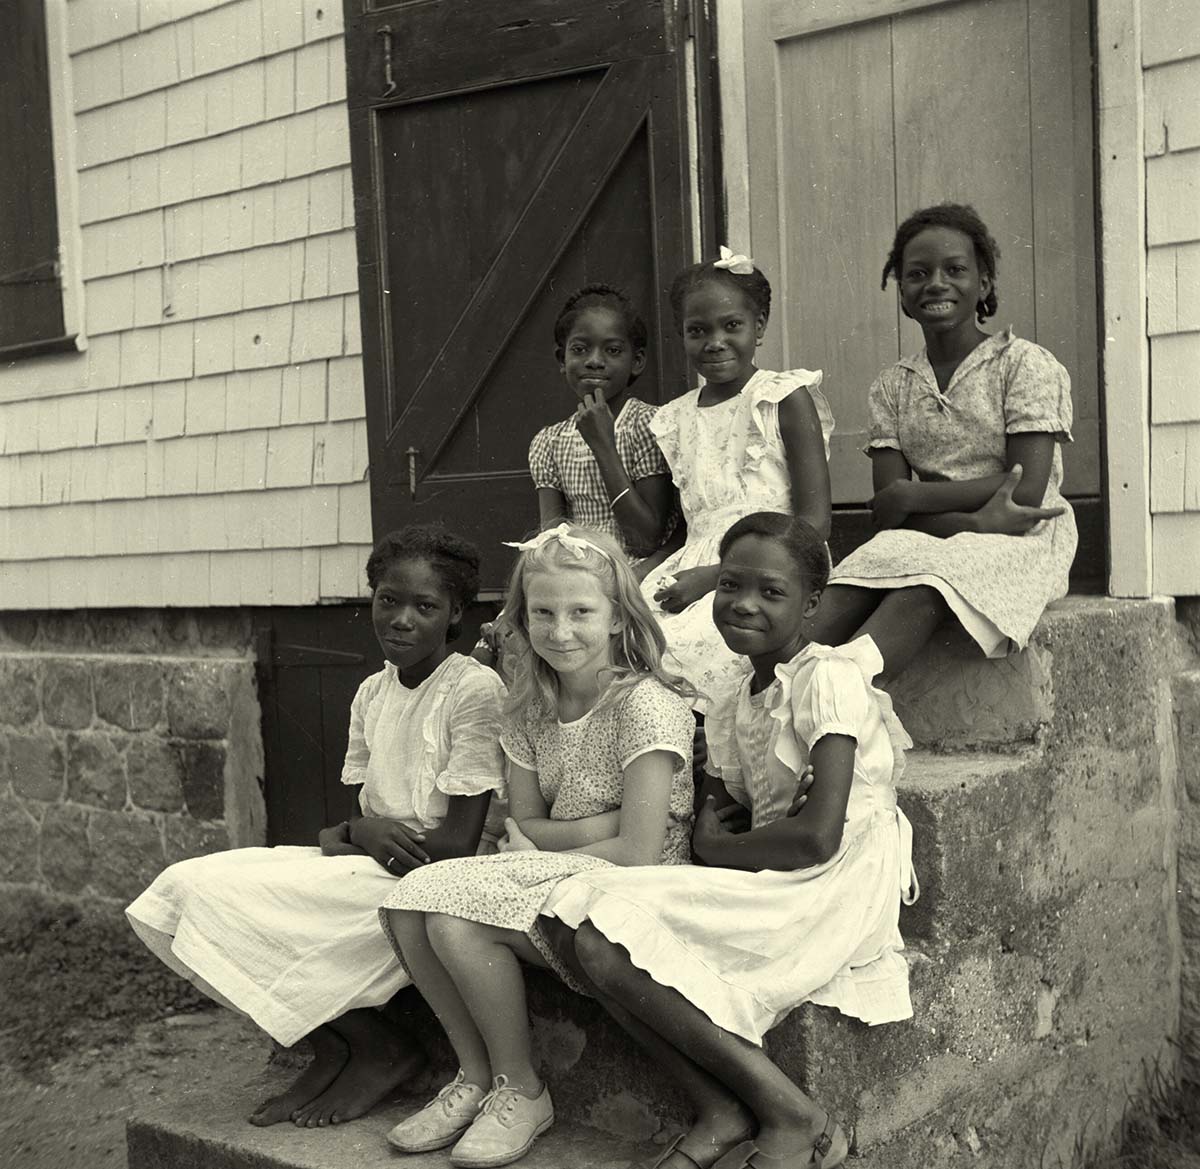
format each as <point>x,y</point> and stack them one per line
<point>72,1115</point>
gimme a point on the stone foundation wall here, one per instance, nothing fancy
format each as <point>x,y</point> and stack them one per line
<point>127,742</point>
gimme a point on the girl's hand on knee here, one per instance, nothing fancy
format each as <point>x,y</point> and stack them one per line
<point>1003,516</point>
<point>514,840</point>
<point>689,586</point>
<point>388,842</point>
<point>803,782</point>
<point>335,841</point>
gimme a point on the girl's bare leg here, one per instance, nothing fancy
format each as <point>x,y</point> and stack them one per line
<point>433,980</point>
<point>788,1121</point>
<point>841,613</point>
<point>721,1121</point>
<point>483,962</point>
<point>382,1056</point>
<point>902,624</point>
<point>330,1055</point>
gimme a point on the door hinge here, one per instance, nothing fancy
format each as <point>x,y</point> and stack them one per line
<point>689,26</point>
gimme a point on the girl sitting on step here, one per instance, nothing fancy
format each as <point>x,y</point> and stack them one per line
<point>599,744</point>
<point>290,936</point>
<point>981,530</point>
<point>800,900</point>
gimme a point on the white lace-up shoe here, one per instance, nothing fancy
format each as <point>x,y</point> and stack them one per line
<point>505,1129</point>
<point>442,1121</point>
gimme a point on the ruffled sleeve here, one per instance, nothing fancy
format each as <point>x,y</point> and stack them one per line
<point>541,461</point>
<point>838,699</point>
<point>651,717</point>
<point>665,428</point>
<point>721,742</point>
<point>1037,392</point>
<point>883,415</point>
<point>476,763</point>
<point>358,753</point>
<point>770,389</point>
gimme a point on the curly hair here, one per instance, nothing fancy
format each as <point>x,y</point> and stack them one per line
<point>797,537</point>
<point>455,560</point>
<point>602,296</point>
<point>961,217</point>
<point>636,648</point>
<point>754,286</point>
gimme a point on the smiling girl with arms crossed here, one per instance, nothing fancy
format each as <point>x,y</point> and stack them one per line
<point>981,530</point>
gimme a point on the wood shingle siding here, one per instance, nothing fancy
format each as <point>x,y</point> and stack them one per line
<point>209,446</point>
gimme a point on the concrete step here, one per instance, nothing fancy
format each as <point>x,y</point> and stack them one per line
<point>202,1125</point>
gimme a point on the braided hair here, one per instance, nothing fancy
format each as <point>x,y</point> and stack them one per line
<point>960,217</point>
<point>754,286</point>
<point>602,296</point>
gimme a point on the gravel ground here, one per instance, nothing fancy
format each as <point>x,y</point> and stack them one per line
<point>73,1114</point>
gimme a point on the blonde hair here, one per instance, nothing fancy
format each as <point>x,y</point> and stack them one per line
<point>636,648</point>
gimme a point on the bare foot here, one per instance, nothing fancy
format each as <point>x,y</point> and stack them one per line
<point>712,1135</point>
<point>330,1054</point>
<point>368,1077</point>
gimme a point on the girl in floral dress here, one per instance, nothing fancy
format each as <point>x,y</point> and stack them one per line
<point>800,899</point>
<point>746,440</point>
<point>981,531</point>
<point>290,935</point>
<point>599,744</point>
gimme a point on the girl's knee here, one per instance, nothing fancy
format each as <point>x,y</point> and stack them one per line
<point>405,924</point>
<point>447,930</point>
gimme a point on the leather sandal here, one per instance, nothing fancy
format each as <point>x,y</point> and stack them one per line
<point>829,1151</point>
<point>676,1146</point>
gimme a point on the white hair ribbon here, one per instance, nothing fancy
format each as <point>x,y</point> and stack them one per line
<point>738,264</point>
<point>578,545</point>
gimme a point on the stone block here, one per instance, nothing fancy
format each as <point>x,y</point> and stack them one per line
<point>67,694</point>
<point>129,694</point>
<point>204,779</point>
<point>185,838</point>
<point>18,691</point>
<point>19,830</point>
<point>197,700</point>
<point>1185,690</point>
<point>155,771</point>
<point>952,697</point>
<point>127,853</point>
<point>66,853</point>
<point>95,771</point>
<point>36,765</point>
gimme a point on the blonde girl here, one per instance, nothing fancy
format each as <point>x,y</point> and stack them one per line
<point>598,741</point>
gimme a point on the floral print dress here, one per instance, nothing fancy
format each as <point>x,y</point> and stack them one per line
<point>727,461</point>
<point>997,586</point>
<point>580,768</point>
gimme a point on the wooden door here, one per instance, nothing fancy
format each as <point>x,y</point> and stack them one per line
<point>505,152</point>
<point>857,112</point>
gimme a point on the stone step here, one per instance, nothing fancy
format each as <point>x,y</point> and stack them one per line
<point>202,1125</point>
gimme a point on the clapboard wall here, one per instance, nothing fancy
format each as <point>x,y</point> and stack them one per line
<point>208,446</point>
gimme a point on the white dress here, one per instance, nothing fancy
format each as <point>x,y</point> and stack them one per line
<point>290,937</point>
<point>997,586</point>
<point>746,948</point>
<point>727,461</point>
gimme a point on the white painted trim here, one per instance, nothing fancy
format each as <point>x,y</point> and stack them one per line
<point>735,144</point>
<point>1126,360</point>
<point>66,181</point>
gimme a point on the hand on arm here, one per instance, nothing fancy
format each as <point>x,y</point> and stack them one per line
<point>643,813</point>
<point>808,835</point>
<point>804,449</point>
<point>690,585</point>
<point>397,848</point>
<point>530,814</point>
